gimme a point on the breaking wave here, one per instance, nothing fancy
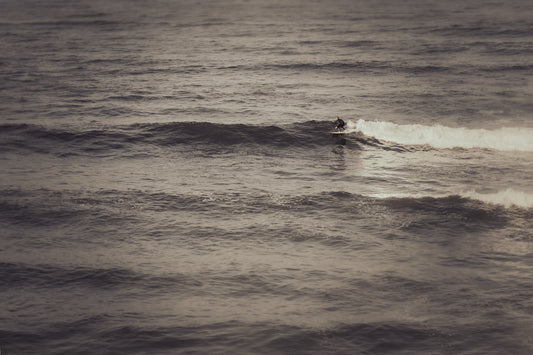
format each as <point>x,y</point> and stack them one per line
<point>138,139</point>
<point>504,139</point>
<point>508,197</point>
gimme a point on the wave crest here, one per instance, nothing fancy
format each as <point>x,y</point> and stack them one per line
<point>138,138</point>
<point>504,139</point>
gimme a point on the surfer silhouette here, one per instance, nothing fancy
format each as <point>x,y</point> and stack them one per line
<point>339,124</point>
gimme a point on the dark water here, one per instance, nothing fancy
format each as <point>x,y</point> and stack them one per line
<point>169,184</point>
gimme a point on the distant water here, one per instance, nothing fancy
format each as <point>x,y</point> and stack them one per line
<point>169,182</point>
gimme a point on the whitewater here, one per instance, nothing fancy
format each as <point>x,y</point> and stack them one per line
<point>505,139</point>
<point>170,183</point>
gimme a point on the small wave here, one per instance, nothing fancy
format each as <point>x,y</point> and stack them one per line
<point>55,276</point>
<point>377,67</point>
<point>337,66</point>
<point>504,139</point>
<point>488,31</point>
<point>507,198</point>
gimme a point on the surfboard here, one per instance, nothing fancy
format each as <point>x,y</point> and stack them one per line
<point>338,132</point>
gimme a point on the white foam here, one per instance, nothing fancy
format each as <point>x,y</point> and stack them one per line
<point>505,139</point>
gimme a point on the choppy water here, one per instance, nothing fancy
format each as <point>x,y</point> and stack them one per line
<point>169,184</point>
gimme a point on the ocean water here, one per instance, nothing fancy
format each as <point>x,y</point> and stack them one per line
<point>169,183</point>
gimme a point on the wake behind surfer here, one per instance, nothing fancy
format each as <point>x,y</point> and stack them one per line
<point>339,124</point>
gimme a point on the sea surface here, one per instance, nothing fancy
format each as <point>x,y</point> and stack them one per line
<point>169,182</point>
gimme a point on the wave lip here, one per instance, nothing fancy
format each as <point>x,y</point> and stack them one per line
<point>504,139</point>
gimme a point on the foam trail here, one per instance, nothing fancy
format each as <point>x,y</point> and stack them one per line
<point>505,139</point>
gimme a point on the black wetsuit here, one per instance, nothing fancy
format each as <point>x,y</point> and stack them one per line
<point>339,124</point>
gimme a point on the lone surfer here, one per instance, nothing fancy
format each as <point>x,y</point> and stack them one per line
<point>339,124</point>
